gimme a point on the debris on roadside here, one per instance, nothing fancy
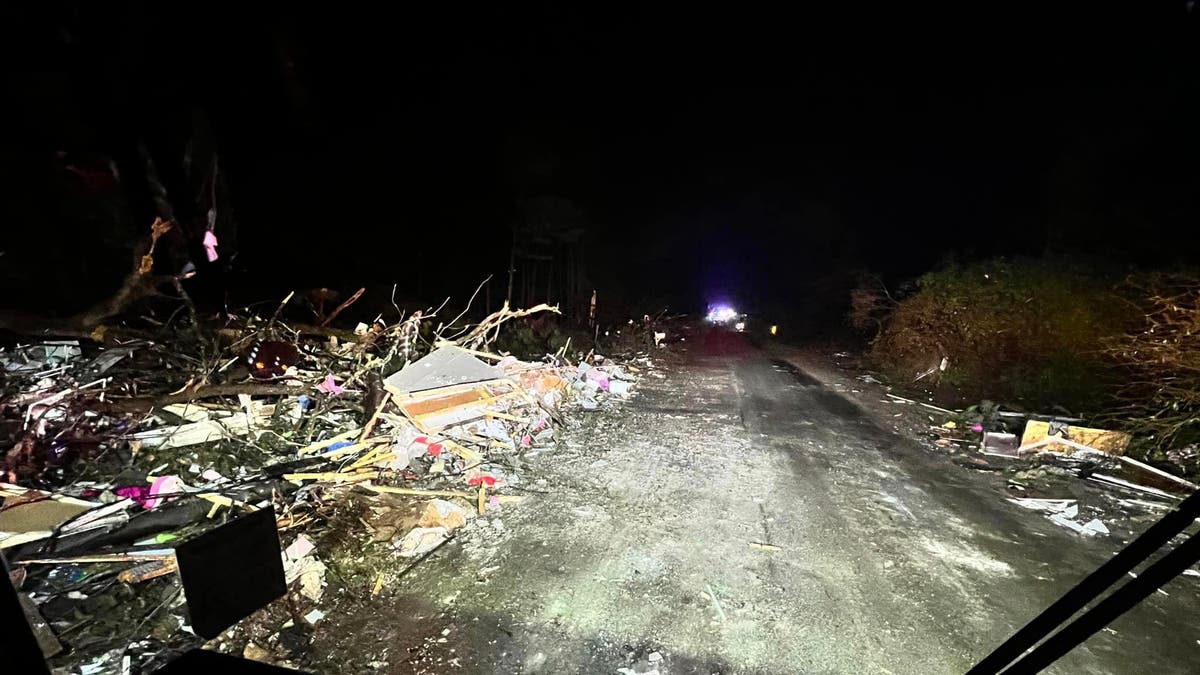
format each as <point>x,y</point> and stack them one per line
<point>1061,437</point>
<point>1000,444</point>
<point>1038,452</point>
<point>1063,512</point>
<point>120,453</point>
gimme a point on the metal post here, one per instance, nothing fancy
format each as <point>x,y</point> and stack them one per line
<point>512,266</point>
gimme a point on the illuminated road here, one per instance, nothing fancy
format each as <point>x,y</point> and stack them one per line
<point>830,544</point>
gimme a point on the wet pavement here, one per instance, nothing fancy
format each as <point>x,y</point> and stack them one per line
<point>740,516</point>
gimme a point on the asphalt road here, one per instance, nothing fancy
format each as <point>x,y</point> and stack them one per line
<point>739,516</point>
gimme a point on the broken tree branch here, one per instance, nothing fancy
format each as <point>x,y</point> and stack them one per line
<point>145,403</point>
<point>349,301</point>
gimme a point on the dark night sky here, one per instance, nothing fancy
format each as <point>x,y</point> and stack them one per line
<point>757,155</point>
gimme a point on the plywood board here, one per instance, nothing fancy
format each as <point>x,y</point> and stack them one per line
<point>1111,442</point>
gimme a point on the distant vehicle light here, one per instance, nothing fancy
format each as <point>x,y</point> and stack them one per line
<point>721,314</point>
<point>774,330</point>
<point>739,326</point>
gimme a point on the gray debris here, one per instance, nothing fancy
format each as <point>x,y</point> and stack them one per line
<point>444,367</point>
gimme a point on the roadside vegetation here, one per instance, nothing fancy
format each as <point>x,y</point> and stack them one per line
<point>1157,365</point>
<point>1027,332</point>
<point>1046,336</point>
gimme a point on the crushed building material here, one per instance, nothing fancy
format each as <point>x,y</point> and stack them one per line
<point>174,440</point>
<point>446,366</point>
<point>1060,437</point>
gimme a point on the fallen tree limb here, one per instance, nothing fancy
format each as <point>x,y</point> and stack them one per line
<point>479,335</point>
<point>145,403</point>
<point>354,298</point>
<point>138,284</point>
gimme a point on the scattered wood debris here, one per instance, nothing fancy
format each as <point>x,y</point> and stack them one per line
<point>137,445</point>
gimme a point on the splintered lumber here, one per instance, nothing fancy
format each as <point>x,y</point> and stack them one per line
<point>370,425</point>
<point>376,455</point>
<point>464,452</point>
<point>435,409</point>
<point>426,406</point>
<point>335,476</point>
<point>193,394</point>
<point>149,570</point>
<point>222,500</point>
<point>454,447</point>
<point>1113,480</point>
<point>1159,472</point>
<point>321,445</point>
<point>355,447</point>
<point>387,489</point>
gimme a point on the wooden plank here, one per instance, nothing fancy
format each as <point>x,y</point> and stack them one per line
<point>1113,480</point>
<point>426,407</point>
<point>371,457</point>
<point>321,445</point>
<point>355,447</point>
<point>440,405</point>
<point>435,421</point>
<point>1159,472</point>
<point>370,426</point>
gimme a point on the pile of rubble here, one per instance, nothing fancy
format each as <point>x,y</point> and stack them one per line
<point>1037,451</point>
<point>123,453</point>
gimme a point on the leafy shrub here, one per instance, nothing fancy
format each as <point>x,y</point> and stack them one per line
<point>1026,331</point>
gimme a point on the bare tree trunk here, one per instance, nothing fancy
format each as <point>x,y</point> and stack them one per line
<point>512,267</point>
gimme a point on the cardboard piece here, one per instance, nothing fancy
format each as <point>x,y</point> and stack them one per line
<point>1108,442</point>
<point>30,515</point>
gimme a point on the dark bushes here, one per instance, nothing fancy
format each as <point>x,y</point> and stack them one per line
<point>1023,331</point>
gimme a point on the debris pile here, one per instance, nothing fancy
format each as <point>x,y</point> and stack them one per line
<point>1035,450</point>
<point>122,452</point>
